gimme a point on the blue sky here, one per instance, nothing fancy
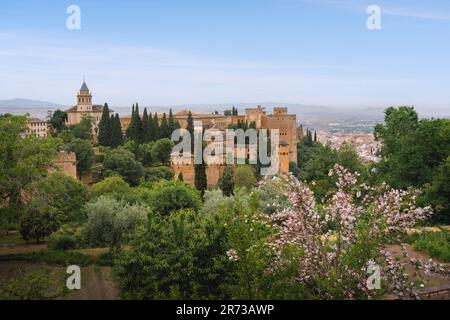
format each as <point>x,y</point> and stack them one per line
<point>172,52</point>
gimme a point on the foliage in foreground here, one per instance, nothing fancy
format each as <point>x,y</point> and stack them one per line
<point>302,251</point>
<point>436,244</point>
<point>39,285</point>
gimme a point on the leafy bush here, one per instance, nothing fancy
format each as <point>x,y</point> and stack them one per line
<point>39,221</point>
<point>154,174</point>
<point>436,244</point>
<point>113,186</point>
<point>168,196</point>
<point>111,221</point>
<point>65,194</point>
<point>62,242</point>
<point>121,161</point>
<point>180,257</point>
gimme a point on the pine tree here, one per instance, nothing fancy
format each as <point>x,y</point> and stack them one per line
<point>171,124</point>
<point>164,127</point>
<point>146,127</point>
<point>104,128</point>
<point>116,131</point>
<point>177,125</point>
<point>315,136</point>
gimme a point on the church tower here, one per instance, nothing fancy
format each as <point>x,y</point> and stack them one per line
<point>84,99</point>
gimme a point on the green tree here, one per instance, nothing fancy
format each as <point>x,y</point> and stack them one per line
<point>244,176</point>
<point>437,193</point>
<point>85,155</point>
<point>116,131</point>
<point>227,181</point>
<point>168,196</point>
<point>121,161</point>
<point>184,258</point>
<point>66,194</point>
<point>39,221</point>
<point>171,124</point>
<point>155,174</point>
<point>200,179</point>
<point>164,129</point>
<point>58,121</point>
<point>146,127</point>
<point>84,129</point>
<point>190,125</point>
<point>161,151</point>
<point>156,132</point>
<point>412,150</point>
<point>105,128</point>
<point>113,186</point>
<point>134,130</point>
<point>22,162</point>
<point>111,221</point>
<point>180,177</point>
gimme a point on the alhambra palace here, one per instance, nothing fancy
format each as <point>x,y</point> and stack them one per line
<point>289,133</point>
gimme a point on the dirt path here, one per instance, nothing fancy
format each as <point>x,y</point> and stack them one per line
<point>22,249</point>
<point>431,280</point>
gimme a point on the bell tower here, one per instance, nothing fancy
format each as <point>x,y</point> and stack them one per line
<point>84,98</point>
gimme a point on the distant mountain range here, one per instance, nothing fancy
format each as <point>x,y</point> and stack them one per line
<point>312,116</point>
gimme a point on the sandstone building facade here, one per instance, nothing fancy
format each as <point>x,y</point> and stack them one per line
<point>84,107</point>
<point>280,119</point>
<point>37,127</point>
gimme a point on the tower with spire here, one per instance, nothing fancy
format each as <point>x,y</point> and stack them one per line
<point>84,107</point>
<point>84,98</point>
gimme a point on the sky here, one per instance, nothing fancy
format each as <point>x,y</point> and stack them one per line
<point>175,52</point>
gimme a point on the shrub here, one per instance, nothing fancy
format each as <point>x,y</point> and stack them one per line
<point>112,186</point>
<point>436,244</point>
<point>65,194</point>
<point>38,222</point>
<point>182,256</point>
<point>168,196</point>
<point>111,221</point>
<point>62,242</point>
<point>121,161</point>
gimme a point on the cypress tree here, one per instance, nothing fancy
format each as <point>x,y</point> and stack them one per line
<point>190,129</point>
<point>146,129</point>
<point>180,177</point>
<point>227,181</point>
<point>156,128</point>
<point>200,177</point>
<point>116,131</point>
<point>164,127</point>
<point>104,128</point>
<point>315,136</point>
<point>171,124</point>
<point>134,130</point>
<point>129,128</point>
<point>177,125</point>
